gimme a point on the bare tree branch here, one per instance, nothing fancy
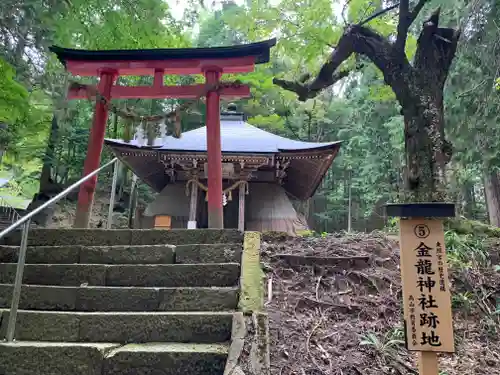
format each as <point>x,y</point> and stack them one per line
<point>356,39</point>
<point>436,47</point>
<point>344,8</point>
<point>417,9</point>
<point>403,26</point>
<point>379,13</point>
<point>406,18</point>
<point>308,91</point>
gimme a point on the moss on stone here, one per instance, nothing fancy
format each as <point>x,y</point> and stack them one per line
<point>251,280</point>
<point>476,228</point>
<point>259,353</point>
<point>275,236</point>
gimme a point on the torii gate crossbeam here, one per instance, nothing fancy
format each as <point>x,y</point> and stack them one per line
<point>110,64</point>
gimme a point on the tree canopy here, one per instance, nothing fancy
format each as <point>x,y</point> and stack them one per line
<point>360,104</point>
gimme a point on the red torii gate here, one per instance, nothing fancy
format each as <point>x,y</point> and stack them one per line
<point>211,62</point>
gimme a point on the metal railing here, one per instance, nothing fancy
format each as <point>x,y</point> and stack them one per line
<point>25,222</point>
<point>7,211</point>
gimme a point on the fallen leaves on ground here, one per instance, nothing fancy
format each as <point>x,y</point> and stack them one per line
<point>338,320</point>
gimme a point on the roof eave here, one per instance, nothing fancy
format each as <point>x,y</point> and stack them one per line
<point>261,51</point>
<point>325,147</point>
<point>280,152</point>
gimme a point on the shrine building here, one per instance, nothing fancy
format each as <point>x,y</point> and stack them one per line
<point>262,173</point>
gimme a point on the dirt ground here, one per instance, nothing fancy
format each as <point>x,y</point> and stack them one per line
<point>345,318</point>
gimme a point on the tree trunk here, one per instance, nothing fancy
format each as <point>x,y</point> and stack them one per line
<point>48,160</point>
<point>492,193</point>
<point>425,150</point>
<point>418,88</point>
<point>469,200</point>
<point>2,152</point>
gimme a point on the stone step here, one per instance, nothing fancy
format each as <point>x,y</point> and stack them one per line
<point>52,358</point>
<point>110,237</point>
<point>126,254</point>
<point>167,359</point>
<point>73,298</point>
<point>55,358</point>
<point>146,275</point>
<point>208,253</point>
<point>145,254</point>
<point>121,327</point>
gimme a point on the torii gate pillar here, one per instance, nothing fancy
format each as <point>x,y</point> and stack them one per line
<point>214,153</point>
<point>94,151</point>
<point>212,62</point>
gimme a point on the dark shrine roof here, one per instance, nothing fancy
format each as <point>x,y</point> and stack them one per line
<point>308,161</point>
<point>237,137</point>
<point>260,50</point>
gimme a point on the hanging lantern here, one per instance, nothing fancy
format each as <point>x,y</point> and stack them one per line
<point>151,132</point>
<point>127,132</point>
<point>139,135</point>
<point>177,124</point>
<point>163,130</point>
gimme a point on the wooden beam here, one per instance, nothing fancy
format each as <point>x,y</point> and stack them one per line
<point>158,78</point>
<point>182,67</point>
<point>158,92</point>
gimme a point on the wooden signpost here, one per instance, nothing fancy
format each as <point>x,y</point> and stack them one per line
<point>424,274</point>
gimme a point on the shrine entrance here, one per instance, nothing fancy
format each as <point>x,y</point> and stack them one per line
<point>109,65</point>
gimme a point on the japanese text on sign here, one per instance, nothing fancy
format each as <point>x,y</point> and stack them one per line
<point>427,304</point>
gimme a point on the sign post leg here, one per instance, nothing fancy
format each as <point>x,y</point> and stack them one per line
<point>428,363</point>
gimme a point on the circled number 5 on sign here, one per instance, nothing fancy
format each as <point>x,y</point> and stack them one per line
<point>422,231</point>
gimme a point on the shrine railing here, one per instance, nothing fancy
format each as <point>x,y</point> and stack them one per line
<point>7,212</point>
<point>25,223</point>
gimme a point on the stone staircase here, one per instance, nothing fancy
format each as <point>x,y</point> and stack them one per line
<point>141,302</point>
<point>5,217</point>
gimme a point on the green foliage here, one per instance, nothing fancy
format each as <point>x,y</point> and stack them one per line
<point>92,24</point>
<point>13,104</point>
<point>463,301</point>
<point>360,111</point>
<point>472,227</point>
<point>385,345</point>
<point>465,251</point>
<point>273,123</point>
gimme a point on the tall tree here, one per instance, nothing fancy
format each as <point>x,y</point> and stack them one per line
<point>418,88</point>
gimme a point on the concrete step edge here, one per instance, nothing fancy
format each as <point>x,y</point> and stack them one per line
<point>121,246</point>
<point>123,313</point>
<point>70,287</point>
<point>146,275</point>
<point>126,254</point>
<point>70,236</point>
<point>112,348</point>
<point>110,358</point>
<point>122,327</point>
<point>126,265</point>
<point>113,298</point>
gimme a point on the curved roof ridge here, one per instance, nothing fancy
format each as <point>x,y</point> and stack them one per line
<point>237,136</point>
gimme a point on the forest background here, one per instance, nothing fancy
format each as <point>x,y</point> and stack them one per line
<point>43,137</point>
